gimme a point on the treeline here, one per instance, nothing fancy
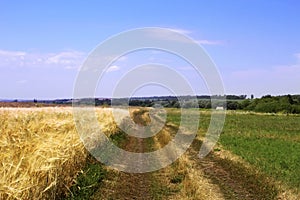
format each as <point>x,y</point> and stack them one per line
<point>268,104</point>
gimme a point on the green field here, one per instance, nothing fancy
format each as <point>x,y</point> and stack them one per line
<point>271,143</point>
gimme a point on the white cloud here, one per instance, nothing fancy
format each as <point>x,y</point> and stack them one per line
<point>204,42</point>
<point>171,36</point>
<point>11,57</point>
<point>167,35</point>
<point>113,68</point>
<point>210,42</point>
<point>123,58</point>
<point>68,59</point>
<point>65,59</point>
<point>182,31</point>
<point>11,53</point>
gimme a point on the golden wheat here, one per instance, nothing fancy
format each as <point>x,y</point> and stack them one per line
<point>41,152</point>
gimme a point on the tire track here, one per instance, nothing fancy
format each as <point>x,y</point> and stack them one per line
<point>122,185</point>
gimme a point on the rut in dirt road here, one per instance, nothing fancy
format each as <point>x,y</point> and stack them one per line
<point>121,185</point>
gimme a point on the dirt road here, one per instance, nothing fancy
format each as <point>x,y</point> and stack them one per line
<point>214,177</point>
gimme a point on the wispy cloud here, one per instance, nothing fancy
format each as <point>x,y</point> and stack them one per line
<point>210,42</point>
<point>172,36</point>
<point>182,31</point>
<point>204,42</point>
<point>167,35</point>
<point>64,59</point>
<point>11,53</point>
<point>123,58</point>
<point>113,68</point>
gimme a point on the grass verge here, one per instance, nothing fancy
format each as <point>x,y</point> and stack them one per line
<point>88,181</point>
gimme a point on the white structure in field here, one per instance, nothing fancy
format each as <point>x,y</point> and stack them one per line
<point>220,108</point>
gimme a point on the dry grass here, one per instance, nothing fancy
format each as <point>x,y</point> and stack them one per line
<point>41,152</point>
<point>193,184</point>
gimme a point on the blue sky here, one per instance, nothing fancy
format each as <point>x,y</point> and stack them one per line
<point>255,44</point>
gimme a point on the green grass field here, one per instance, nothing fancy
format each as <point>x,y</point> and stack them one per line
<point>270,143</point>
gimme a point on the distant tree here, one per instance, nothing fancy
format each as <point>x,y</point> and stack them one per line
<point>208,104</point>
<point>295,109</point>
<point>232,105</point>
<point>297,97</point>
<point>34,101</point>
<point>202,103</point>
<point>187,104</point>
<point>244,104</point>
<point>243,96</point>
<point>252,96</point>
<point>290,99</point>
<point>176,105</point>
<point>268,96</point>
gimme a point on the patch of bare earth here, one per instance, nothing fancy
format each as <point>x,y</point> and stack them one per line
<point>121,185</point>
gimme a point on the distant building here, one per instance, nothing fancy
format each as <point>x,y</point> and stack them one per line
<point>220,108</point>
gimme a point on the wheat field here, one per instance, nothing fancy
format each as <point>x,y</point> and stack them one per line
<point>41,152</point>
